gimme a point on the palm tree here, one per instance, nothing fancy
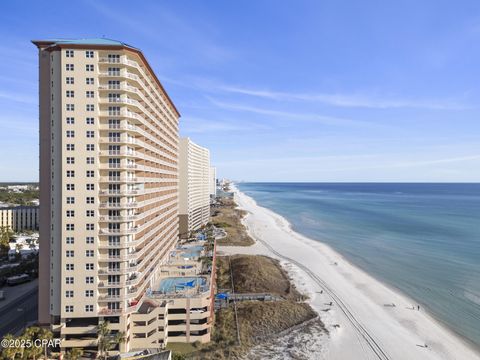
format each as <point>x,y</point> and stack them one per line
<point>31,334</point>
<point>43,335</point>
<point>10,352</point>
<point>107,341</point>
<point>5,235</point>
<point>118,339</point>
<point>74,354</point>
<point>103,332</point>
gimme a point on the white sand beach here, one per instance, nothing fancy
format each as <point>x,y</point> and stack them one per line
<point>370,326</point>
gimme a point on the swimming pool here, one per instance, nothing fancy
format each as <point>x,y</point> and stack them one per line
<point>190,251</point>
<point>178,284</point>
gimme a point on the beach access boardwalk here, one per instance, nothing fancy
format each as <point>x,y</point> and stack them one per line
<point>225,299</point>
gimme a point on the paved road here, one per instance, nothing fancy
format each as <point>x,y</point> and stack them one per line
<point>12,320</point>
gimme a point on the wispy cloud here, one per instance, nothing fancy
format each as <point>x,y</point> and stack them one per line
<point>322,119</point>
<point>350,100</point>
<point>199,125</point>
<point>411,164</point>
<point>366,99</point>
<point>18,97</point>
<point>174,33</point>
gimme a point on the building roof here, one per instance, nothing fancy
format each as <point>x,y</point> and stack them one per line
<point>101,43</point>
<point>93,41</point>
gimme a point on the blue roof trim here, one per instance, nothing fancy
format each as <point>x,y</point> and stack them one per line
<point>94,41</point>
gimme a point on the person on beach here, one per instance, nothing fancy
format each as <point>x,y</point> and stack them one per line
<point>418,307</point>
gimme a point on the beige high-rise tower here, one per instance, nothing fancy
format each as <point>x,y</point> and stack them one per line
<point>194,197</point>
<point>108,185</point>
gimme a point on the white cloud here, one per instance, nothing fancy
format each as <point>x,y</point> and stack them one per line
<point>350,100</point>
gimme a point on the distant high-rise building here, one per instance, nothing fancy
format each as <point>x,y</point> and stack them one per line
<point>213,181</point>
<point>108,187</point>
<point>194,204</point>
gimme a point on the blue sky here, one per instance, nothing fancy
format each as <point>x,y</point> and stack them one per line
<point>279,90</point>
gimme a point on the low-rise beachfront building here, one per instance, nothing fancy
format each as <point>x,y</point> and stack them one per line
<point>19,218</point>
<point>194,186</point>
<point>178,308</point>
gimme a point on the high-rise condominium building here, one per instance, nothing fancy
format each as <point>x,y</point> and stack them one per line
<point>194,204</point>
<point>213,181</point>
<point>108,185</point>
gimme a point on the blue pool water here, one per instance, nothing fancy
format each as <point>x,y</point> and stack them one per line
<point>191,252</point>
<point>423,239</point>
<point>173,284</point>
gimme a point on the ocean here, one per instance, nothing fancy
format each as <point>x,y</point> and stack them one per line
<point>423,239</point>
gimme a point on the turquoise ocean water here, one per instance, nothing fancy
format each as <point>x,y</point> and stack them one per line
<point>423,239</point>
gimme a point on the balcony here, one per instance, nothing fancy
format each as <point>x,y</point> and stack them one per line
<point>117,153</point>
<point>109,205</point>
<point>119,140</point>
<point>120,192</point>
<point>119,179</point>
<point>118,218</point>
<point>107,231</point>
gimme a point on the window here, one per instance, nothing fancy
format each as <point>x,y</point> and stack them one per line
<point>70,267</point>
<point>90,226</point>
<point>89,240</point>
<point>90,147</point>
<point>71,173</point>
<point>70,160</point>
<point>69,293</point>
<point>113,71</point>
<point>70,147</point>
<point>90,173</point>
<point>88,293</point>
<point>90,94</point>
<point>113,58</point>
<point>89,253</point>
<point>70,200</point>
<point>89,67</point>
<point>89,308</point>
<point>90,200</point>
<point>69,67</point>
<point>90,81</point>
<point>89,266</point>
<point>70,107</point>
<point>113,84</point>
<point>69,53</point>
<point>70,240</point>
<point>90,134</point>
<point>70,80</point>
<point>90,160</point>
<point>114,110</point>
<point>89,280</point>
<point>70,120</point>
<point>90,107</point>
<point>69,280</point>
<point>70,253</point>
<point>90,213</point>
<point>113,97</point>
<point>70,213</point>
<point>70,187</point>
<point>90,121</point>
<point>70,133</point>
<point>70,227</point>
<point>89,54</point>
<point>70,93</point>
<point>69,308</point>
<point>90,186</point>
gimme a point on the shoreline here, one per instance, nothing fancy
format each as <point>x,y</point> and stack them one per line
<point>368,326</point>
